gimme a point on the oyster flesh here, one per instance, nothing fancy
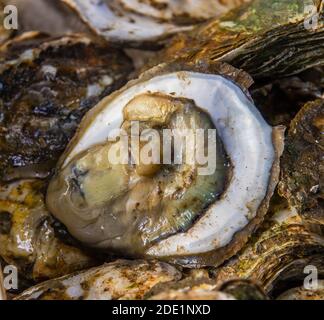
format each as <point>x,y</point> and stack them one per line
<point>47,85</point>
<point>173,211</point>
<point>142,21</point>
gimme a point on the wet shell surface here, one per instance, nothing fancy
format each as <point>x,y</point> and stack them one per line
<point>138,22</point>
<point>171,212</point>
<point>47,85</point>
<point>119,280</point>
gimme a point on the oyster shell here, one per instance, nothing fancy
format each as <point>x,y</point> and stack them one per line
<point>301,293</point>
<point>266,38</point>
<point>119,280</point>
<point>276,254</point>
<point>136,22</point>
<point>206,289</point>
<point>47,85</point>
<point>28,238</point>
<point>303,169</point>
<point>143,222</point>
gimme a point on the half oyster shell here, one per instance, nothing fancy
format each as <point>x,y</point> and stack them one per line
<point>47,85</point>
<point>170,211</point>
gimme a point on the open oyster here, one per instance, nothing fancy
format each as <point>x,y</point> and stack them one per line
<point>303,169</point>
<point>137,21</point>
<point>188,212</point>
<point>47,85</point>
<point>119,280</point>
<point>267,38</point>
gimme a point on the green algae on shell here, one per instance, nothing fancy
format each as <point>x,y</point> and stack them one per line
<point>146,23</point>
<point>267,38</point>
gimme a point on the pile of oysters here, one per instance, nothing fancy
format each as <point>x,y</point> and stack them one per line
<point>245,74</point>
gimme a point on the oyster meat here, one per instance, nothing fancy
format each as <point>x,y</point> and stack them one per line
<point>47,85</point>
<point>173,211</point>
<point>135,22</point>
<point>303,167</point>
<point>119,280</point>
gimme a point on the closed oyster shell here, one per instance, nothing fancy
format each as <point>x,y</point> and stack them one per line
<point>47,85</point>
<point>276,254</point>
<point>206,289</point>
<point>303,167</point>
<point>119,280</point>
<point>267,38</point>
<point>301,293</point>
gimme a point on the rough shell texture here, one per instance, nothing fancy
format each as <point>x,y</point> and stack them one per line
<point>277,253</point>
<point>143,23</point>
<point>207,289</point>
<point>47,85</point>
<point>303,167</point>
<point>120,280</point>
<point>301,293</point>
<point>266,38</point>
<point>28,238</point>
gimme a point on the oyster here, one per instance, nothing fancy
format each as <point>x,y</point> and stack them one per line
<point>120,280</point>
<point>28,237</point>
<point>301,293</point>
<point>136,21</point>
<point>206,289</point>
<point>173,211</point>
<point>277,254</point>
<point>266,38</point>
<point>303,168</point>
<point>47,85</point>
